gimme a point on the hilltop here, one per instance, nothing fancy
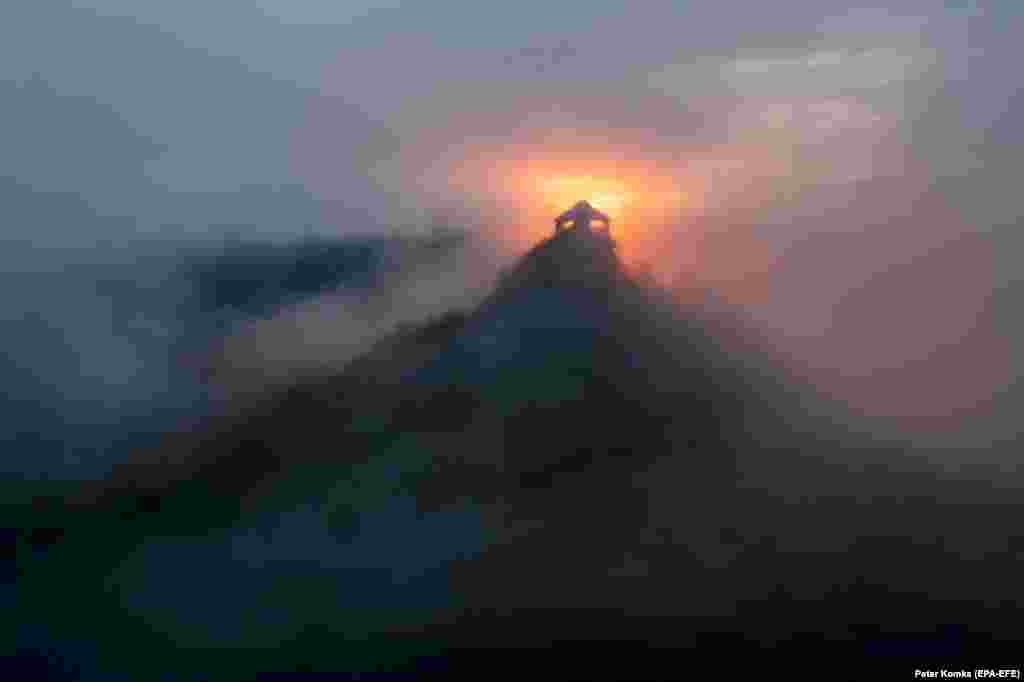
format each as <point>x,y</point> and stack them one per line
<point>576,459</point>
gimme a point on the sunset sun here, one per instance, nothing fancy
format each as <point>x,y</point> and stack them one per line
<point>606,194</point>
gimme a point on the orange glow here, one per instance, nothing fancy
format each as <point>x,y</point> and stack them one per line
<point>605,194</point>
<point>666,215</point>
<point>643,203</point>
<point>643,199</point>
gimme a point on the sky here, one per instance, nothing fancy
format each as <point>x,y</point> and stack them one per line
<point>843,172</point>
<point>145,107</point>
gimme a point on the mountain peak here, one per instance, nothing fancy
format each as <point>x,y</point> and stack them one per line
<point>571,259</point>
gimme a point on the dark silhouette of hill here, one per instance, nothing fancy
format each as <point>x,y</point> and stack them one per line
<point>101,347</point>
<point>256,278</point>
<point>630,479</point>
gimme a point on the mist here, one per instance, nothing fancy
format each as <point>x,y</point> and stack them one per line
<point>288,346</point>
<point>848,174</point>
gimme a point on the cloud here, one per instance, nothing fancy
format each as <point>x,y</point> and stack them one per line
<point>324,334</point>
<point>819,73</point>
<point>829,70</point>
